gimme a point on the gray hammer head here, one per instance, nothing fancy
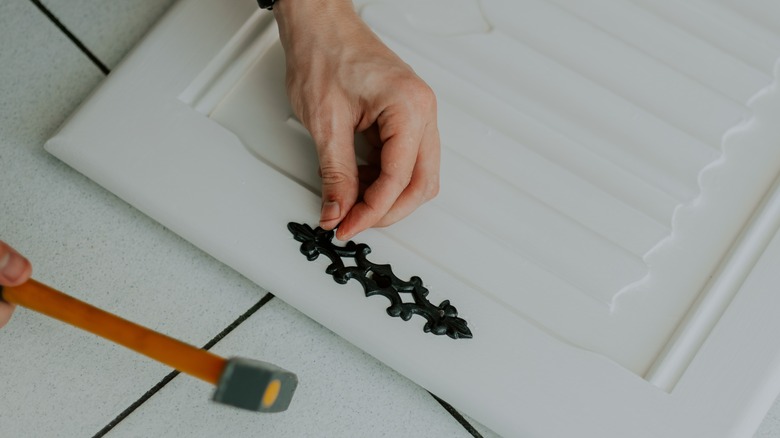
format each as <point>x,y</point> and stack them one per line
<point>255,385</point>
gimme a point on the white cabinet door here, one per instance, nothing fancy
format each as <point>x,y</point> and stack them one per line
<point>607,219</point>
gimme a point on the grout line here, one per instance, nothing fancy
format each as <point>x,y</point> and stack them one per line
<point>136,404</point>
<point>167,379</point>
<point>458,417</point>
<point>268,296</point>
<point>72,37</point>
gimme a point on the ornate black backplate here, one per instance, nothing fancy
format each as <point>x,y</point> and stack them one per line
<point>379,280</point>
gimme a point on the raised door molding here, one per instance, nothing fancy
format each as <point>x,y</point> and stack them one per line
<point>606,222</point>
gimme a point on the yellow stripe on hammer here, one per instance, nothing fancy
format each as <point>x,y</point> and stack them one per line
<point>271,393</point>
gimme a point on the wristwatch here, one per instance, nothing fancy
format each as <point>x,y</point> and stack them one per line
<point>266,4</point>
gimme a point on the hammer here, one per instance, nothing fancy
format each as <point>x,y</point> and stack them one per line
<point>244,383</point>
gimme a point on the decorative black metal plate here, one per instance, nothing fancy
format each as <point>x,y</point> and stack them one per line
<point>379,280</point>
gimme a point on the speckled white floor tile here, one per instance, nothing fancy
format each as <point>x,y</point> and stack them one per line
<point>108,29</point>
<point>342,391</point>
<point>770,427</point>
<point>59,381</point>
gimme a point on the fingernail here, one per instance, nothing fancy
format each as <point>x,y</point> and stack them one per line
<point>330,211</point>
<point>344,236</point>
<point>12,267</point>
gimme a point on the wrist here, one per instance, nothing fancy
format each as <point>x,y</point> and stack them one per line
<point>313,19</point>
<point>319,6</point>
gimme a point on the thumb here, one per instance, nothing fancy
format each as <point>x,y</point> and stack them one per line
<point>14,268</point>
<point>339,173</point>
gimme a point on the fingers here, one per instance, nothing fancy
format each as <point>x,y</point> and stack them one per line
<point>6,309</point>
<point>338,169</point>
<point>401,137</point>
<point>14,268</point>
<point>406,170</point>
<point>424,185</point>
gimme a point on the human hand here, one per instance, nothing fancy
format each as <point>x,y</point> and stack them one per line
<point>341,79</point>
<point>14,270</point>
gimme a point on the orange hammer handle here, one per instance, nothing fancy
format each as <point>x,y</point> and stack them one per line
<point>51,302</point>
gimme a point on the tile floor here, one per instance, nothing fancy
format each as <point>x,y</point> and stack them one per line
<point>58,381</point>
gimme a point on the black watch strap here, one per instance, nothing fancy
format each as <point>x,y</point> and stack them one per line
<point>266,4</point>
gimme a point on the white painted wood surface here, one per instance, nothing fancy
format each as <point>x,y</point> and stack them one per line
<point>607,212</point>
